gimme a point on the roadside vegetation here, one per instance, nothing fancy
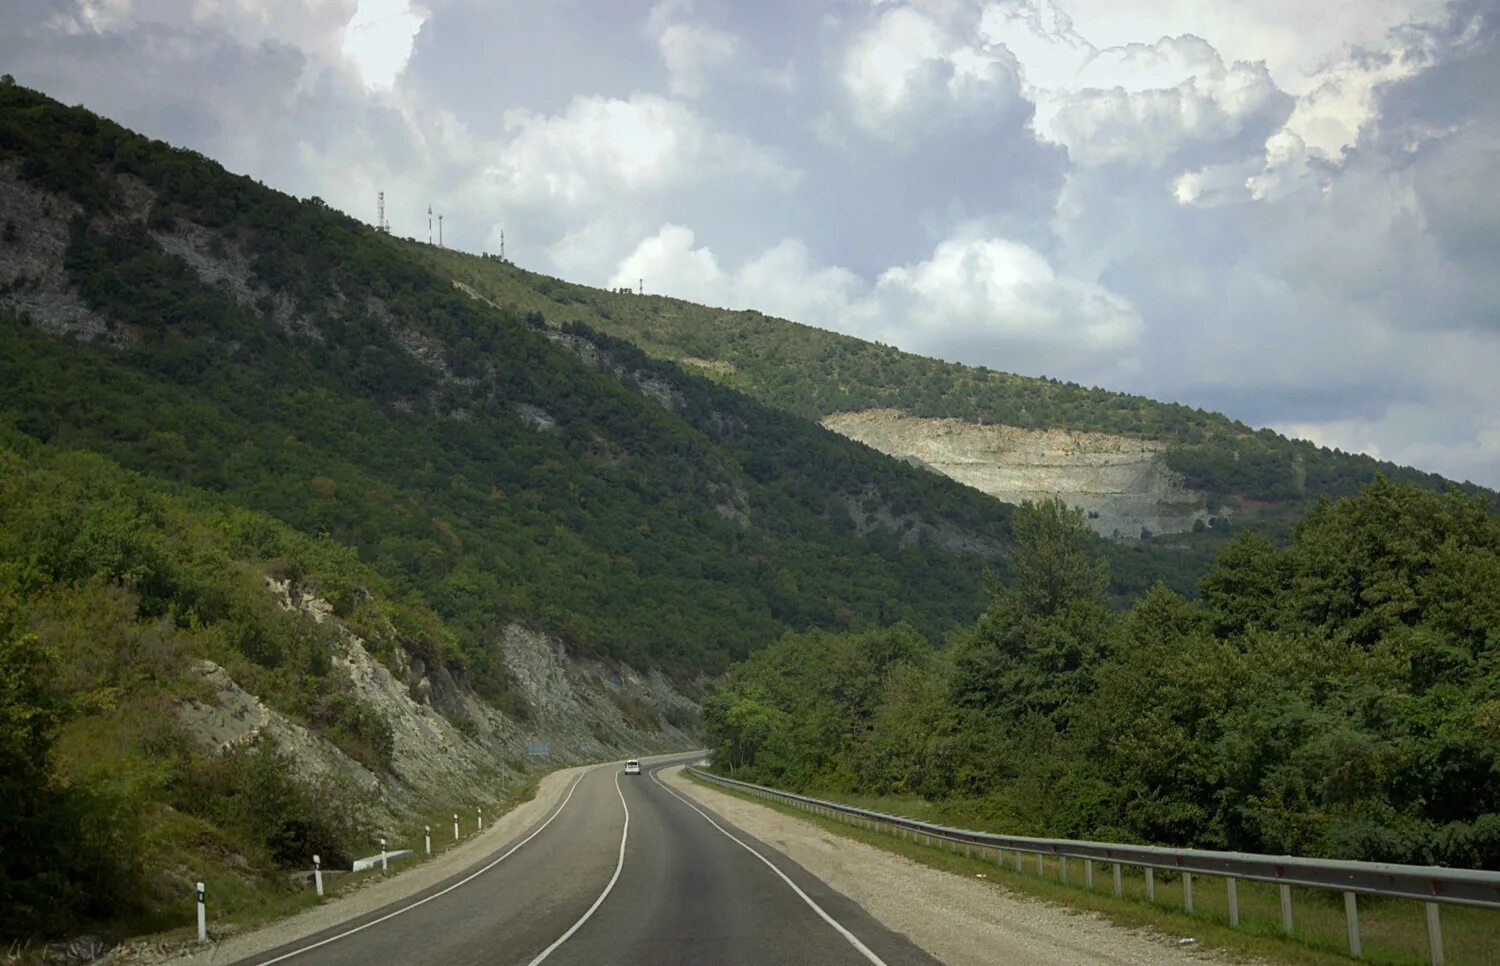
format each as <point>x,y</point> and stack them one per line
<point>1338,697</point>
<point>112,593</point>
<point>1393,932</point>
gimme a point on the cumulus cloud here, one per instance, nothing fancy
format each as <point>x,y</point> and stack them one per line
<point>691,51</point>
<point>975,298</point>
<point>911,70</point>
<point>378,39</point>
<point>1145,103</point>
<point>600,146</point>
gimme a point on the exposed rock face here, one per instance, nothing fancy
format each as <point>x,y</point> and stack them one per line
<point>447,741</point>
<point>231,717</point>
<point>33,242</point>
<point>1121,482</point>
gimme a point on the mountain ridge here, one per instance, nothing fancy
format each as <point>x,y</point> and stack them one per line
<point>821,374</point>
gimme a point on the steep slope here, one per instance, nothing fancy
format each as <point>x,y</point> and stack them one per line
<point>1178,468</point>
<point>189,692</point>
<point>199,328</point>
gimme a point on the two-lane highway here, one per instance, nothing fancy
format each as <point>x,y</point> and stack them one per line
<point>624,870</point>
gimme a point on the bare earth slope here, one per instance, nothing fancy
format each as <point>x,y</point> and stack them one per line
<point>1121,482</point>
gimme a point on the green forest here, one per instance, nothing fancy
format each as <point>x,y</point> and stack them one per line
<point>1336,697</point>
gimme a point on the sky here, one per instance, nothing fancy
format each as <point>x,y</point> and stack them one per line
<point>1281,210</point>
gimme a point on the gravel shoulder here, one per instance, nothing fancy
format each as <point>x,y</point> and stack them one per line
<point>957,920</point>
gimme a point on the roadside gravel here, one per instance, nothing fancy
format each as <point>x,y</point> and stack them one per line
<point>372,894</point>
<point>957,920</point>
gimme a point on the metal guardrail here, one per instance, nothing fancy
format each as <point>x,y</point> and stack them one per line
<point>1431,885</point>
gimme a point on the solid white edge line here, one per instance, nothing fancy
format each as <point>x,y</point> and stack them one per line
<point>853,939</point>
<point>420,902</point>
<point>619,866</point>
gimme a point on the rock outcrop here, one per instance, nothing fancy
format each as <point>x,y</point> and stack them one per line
<point>446,740</point>
<point>1120,482</point>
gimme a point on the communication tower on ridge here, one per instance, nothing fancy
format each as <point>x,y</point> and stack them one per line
<point>429,224</point>
<point>380,223</point>
<point>440,231</point>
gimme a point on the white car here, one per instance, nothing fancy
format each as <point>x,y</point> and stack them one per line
<point>632,767</point>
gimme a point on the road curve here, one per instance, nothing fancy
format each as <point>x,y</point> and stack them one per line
<point>674,883</point>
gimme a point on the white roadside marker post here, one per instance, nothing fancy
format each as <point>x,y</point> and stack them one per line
<point>318,875</point>
<point>382,854</point>
<point>455,826</point>
<point>481,817</point>
<point>202,915</point>
<point>427,837</point>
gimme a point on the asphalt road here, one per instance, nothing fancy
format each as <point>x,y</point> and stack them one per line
<point>672,883</point>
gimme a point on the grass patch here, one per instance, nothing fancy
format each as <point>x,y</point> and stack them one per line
<point>1393,932</point>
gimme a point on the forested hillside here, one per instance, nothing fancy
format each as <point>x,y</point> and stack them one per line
<point>1339,697</point>
<point>230,339</point>
<point>814,373</point>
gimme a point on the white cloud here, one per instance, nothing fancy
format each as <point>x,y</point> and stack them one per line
<point>378,39</point>
<point>690,51</point>
<point>910,70</point>
<point>1143,103</point>
<point>600,148</point>
<point>993,288</point>
<point>1294,38</point>
<point>983,299</point>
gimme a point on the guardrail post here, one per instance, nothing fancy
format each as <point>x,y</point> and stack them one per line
<point>318,875</point>
<point>1187,892</point>
<point>1088,873</point>
<point>1019,857</point>
<point>1234,900</point>
<point>203,915</point>
<point>1150,884</point>
<point>1286,909</point>
<point>1351,922</point>
<point>1041,864</point>
<point>1062,869</point>
<point>1434,934</point>
<point>1117,880</point>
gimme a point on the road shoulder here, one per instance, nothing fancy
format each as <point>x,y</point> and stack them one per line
<point>384,892</point>
<point>956,920</point>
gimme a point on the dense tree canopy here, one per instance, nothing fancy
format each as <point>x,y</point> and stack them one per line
<point>1339,697</point>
